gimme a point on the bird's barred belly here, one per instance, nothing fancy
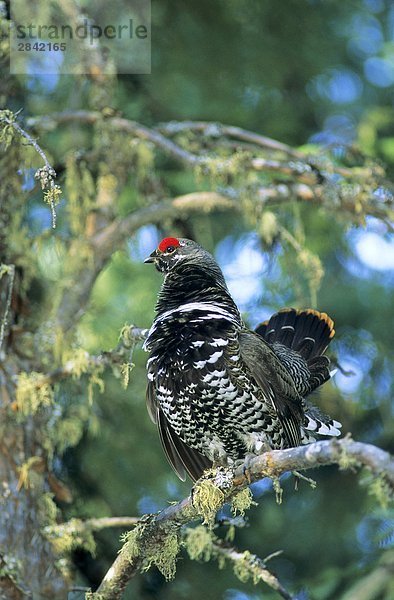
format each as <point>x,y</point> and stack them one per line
<point>219,418</point>
<point>205,391</point>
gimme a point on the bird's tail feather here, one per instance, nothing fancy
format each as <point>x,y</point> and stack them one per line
<point>318,423</point>
<point>308,332</point>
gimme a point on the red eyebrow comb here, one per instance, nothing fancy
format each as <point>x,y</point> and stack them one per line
<point>167,242</point>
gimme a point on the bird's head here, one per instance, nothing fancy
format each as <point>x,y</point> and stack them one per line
<point>172,254</point>
<point>172,251</point>
<point>190,274</point>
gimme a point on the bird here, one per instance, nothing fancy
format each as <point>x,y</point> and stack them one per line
<point>218,391</point>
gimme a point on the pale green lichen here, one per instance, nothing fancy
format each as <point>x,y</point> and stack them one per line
<point>230,535</point>
<point>242,501</point>
<point>52,195</point>
<point>47,509</point>
<point>69,536</point>
<point>164,555</point>
<point>199,543</point>
<point>7,131</point>
<point>95,379</point>
<point>248,567</point>
<point>381,489</point>
<point>313,269</point>
<point>81,193</point>
<point>125,371</point>
<point>76,361</point>
<point>207,499</point>
<point>159,549</point>
<point>268,227</point>
<point>143,157</point>
<point>10,566</point>
<point>33,392</point>
<point>28,476</point>
<point>222,170</point>
<point>346,461</point>
<point>69,430</point>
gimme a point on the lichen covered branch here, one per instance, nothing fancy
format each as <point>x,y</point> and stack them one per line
<point>46,175</point>
<point>153,532</point>
<point>297,164</point>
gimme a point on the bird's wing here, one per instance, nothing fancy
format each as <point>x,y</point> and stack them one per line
<point>182,458</point>
<point>276,383</point>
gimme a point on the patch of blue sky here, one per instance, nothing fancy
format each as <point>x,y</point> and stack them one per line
<point>380,70</point>
<point>358,366</point>
<point>234,594</point>
<point>339,85</point>
<point>40,218</point>
<point>143,243</point>
<point>243,266</point>
<point>147,504</point>
<point>338,128</point>
<point>374,250</point>
<point>375,532</point>
<point>28,180</point>
<point>43,70</point>
<point>366,36</point>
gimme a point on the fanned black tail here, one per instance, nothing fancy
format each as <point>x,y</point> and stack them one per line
<point>299,338</point>
<point>307,332</point>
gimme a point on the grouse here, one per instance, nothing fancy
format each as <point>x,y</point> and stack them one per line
<point>217,390</point>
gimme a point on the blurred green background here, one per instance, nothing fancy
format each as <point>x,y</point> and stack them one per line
<point>303,72</point>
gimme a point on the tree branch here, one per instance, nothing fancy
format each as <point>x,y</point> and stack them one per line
<point>132,127</point>
<point>300,180</point>
<point>154,529</point>
<point>46,174</point>
<point>8,118</point>
<point>252,565</point>
<point>105,241</point>
<point>8,270</point>
<point>118,355</point>
<point>216,130</point>
<point>300,168</point>
<point>246,565</point>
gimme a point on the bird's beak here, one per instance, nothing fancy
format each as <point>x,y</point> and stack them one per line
<point>151,258</point>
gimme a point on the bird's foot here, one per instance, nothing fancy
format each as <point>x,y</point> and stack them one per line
<point>209,492</point>
<point>221,475</point>
<point>298,476</point>
<point>245,464</point>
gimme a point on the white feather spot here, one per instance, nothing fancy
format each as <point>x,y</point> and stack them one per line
<point>218,342</point>
<point>312,425</point>
<point>198,343</point>
<point>200,364</point>
<point>323,430</point>
<point>215,356</point>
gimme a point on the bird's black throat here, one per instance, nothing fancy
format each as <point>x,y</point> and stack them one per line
<point>191,283</point>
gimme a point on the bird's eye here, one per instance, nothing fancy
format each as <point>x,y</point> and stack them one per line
<point>170,249</point>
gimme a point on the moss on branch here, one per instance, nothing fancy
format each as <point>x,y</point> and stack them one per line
<point>212,491</point>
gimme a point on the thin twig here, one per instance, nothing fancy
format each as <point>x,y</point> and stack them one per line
<point>10,271</point>
<point>253,564</point>
<point>116,356</point>
<point>47,174</point>
<point>215,130</point>
<point>29,138</point>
